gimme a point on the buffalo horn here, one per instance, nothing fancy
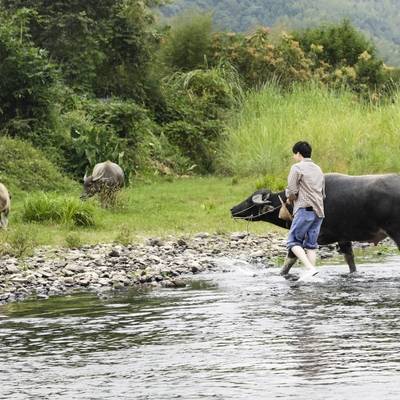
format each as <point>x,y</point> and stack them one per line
<point>96,178</point>
<point>258,199</point>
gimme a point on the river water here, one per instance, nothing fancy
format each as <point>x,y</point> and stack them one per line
<point>243,334</point>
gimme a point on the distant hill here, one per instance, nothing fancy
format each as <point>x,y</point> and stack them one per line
<point>378,19</point>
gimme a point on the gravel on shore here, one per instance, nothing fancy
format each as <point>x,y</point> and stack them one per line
<point>156,262</point>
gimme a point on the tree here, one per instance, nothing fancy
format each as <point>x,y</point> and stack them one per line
<point>102,46</point>
<point>188,42</point>
<point>341,43</point>
<point>28,79</point>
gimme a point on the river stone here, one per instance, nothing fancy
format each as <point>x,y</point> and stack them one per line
<point>69,281</point>
<point>238,235</point>
<point>83,281</point>
<point>154,259</point>
<point>202,235</point>
<point>23,290</point>
<point>194,267</point>
<point>75,268</point>
<point>257,254</point>
<point>12,269</point>
<point>114,253</point>
<point>154,242</point>
<point>59,264</point>
<point>68,272</point>
<point>19,279</point>
<point>47,274</point>
<point>119,277</point>
<point>182,243</point>
<point>325,254</point>
<point>117,285</point>
<point>174,283</point>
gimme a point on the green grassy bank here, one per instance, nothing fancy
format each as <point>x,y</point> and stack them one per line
<point>347,135</point>
<point>179,207</point>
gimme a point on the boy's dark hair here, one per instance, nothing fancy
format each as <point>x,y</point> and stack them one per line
<point>304,148</point>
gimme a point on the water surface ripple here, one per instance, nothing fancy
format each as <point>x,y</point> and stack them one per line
<point>243,334</point>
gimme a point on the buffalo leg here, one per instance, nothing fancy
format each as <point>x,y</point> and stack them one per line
<point>347,250</point>
<point>289,262</point>
<point>4,219</point>
<point>394,235</point>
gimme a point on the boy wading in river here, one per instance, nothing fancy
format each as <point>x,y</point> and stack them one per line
<point>306,191</point>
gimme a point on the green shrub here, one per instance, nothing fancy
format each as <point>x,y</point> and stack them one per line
<point>112,130</point>
<point>187,45</point>
<point>73,240</point>
<point>18,242</point>
<point>76,212</point>
<point>341,43</point>
<point>197,103</point>
<point>346,57</point>
<point>219,88</point>
<point>26,168</point>
<point>336,54</point>
<point>197,142</point>
<point>125,236</point>
<point>166,158</point>
<point>42,207</point>
<point>258,60</point>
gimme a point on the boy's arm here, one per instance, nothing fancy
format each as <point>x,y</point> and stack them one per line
<point>293,183</point>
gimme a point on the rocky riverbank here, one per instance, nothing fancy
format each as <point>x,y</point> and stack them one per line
<point>156,262</point>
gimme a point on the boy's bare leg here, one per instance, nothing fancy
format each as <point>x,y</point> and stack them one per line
<point>312,256</point>
<point>299,252</point>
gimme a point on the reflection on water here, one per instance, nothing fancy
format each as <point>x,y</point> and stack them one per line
<point>244,334</point>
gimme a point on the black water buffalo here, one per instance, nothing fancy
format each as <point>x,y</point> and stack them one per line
<point>106,179</point>
<point>357,209</point>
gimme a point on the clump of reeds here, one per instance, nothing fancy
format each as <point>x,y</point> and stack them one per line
<point>44,207</point>
<point>347,135</point>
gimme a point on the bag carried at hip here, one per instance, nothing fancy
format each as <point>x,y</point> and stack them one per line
<point>284,213</point>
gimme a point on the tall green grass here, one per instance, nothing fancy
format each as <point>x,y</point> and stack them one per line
<point>47,207</point>
<point>347,136</point>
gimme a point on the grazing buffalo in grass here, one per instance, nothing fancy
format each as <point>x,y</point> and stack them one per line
<point>357,209</point>
<point>4,206</point>
<point>107,178</point>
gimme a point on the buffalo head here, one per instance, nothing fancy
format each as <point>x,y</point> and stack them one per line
<point>91,186</point>
<point>262,205</point>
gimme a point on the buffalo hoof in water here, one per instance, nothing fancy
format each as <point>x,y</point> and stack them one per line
<point>349,275</point>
